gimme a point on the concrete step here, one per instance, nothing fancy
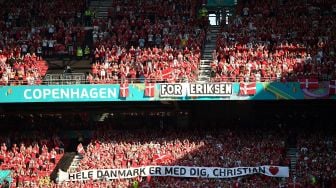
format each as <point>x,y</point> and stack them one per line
<point>204,76</point>
<point>208,51</point>
<point>205,56</point>
<point>210,45</point>
<point>101,3</point>
<point>215,27</point>
<point>102,13</point>
<point>204,79</point>
<point>103,9</point>
<point>206,73</point>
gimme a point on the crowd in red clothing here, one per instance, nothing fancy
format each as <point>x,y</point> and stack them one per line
<point>33,156</point>
<point>21,70</point>
<point>32,29</point>
<point>30,160</point>
<point>316,159</point>
<point>277,40</point>
<point>154,42</point>
<point>125,149</point>
<point>41,27</point>
<point>153,64</point>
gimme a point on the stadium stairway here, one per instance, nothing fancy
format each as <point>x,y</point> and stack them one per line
<point>291,154</point>
<point>210,44</point>
<point>63,164</point>
<point>101,7</point>
<point>75,163</point>
<point>204,72</point>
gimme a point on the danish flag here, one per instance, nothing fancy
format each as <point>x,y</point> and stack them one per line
<point>167,73</point>
<point>80,149</point>
<point>158,159</point>
<point>332,87</point>
<point>124,91</point>
<point>247,88</point>
<point>311,83</point>
<point>149,89</point>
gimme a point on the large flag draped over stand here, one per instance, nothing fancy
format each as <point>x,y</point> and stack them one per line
<point>309,83</point>
<point>124,91</point>
<point>247,88</point>
<point>332,87</point>
<point>149,89</point>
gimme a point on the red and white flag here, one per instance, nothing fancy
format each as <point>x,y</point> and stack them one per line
<point>167,73</point>
<point>159,159</point>
<point>124,91</point>
<point>149,89</point>
<point>80,149</point>
<point>247,88</point>
<point>309,83</point>
<point>332,87</point>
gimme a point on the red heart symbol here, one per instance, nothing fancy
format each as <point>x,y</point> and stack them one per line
<point>273,170</point>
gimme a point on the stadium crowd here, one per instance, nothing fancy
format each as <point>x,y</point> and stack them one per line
<point>41,27</point>
<point>278,41</point>
<point>21,70</point>
<point>32,29</point>
<point>30,160</point>
<point>156,42</point>
<point>120,149</point>
<point>316,156</point>
<point>268,41</point>
<point>32,154</point>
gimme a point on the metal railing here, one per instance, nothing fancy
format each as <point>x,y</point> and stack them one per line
<point>81,78</point>
<point>65,79</point>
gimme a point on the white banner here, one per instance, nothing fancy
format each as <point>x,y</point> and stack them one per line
<point>175,171</point>
<point>173,90</point>
<point>210,89</point>
<point>196,90</point>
